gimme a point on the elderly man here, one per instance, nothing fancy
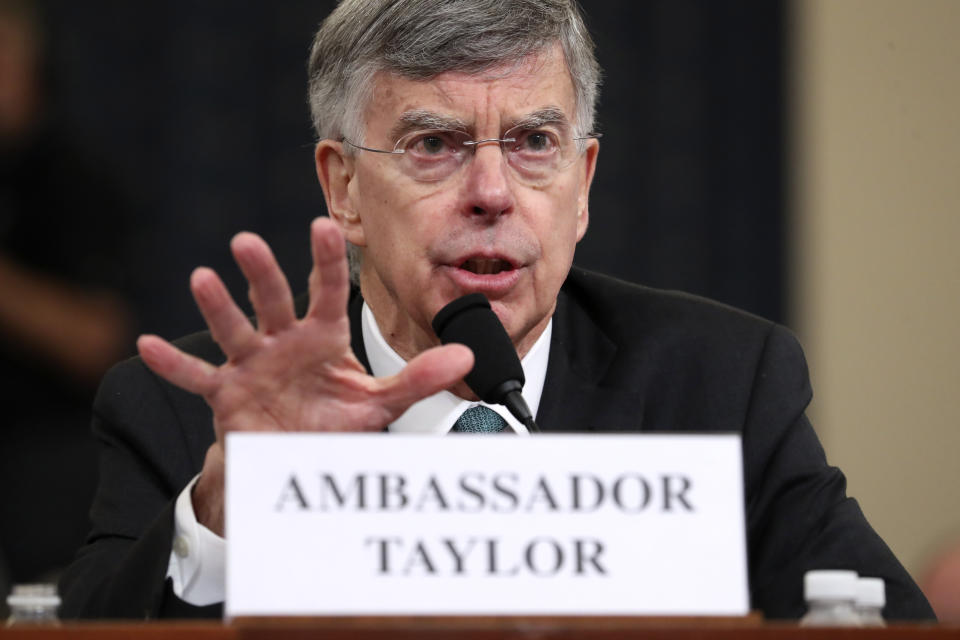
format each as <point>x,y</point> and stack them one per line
<point>455,156</point>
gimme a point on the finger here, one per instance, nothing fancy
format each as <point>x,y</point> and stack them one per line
<point>176,367</point>
<point>433,370</point>
<point>269,290</point>
<point>330,277</point>
<point>228,325</point>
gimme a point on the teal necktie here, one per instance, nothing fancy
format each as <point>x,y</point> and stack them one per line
<point>479,419</point>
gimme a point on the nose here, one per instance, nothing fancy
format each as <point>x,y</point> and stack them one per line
<point>488,188</point>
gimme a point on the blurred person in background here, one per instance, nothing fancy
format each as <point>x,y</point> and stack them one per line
<point>63,320</point>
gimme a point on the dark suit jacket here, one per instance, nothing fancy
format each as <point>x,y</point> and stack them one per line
<point>622,358</point>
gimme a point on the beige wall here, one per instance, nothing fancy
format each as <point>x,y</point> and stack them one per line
<point>875,240</point>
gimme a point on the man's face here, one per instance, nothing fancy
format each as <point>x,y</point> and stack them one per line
<point>482,229</point>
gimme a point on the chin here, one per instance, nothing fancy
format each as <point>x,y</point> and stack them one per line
<point>507,316</point>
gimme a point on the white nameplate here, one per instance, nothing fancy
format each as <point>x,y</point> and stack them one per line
<point>348,524</point>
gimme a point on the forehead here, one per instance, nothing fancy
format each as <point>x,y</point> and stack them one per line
<point>490,99</point>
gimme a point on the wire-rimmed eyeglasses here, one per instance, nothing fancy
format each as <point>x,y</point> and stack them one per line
<point>535,155</point>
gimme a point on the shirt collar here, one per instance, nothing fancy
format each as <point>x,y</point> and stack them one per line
<point>437,413</point>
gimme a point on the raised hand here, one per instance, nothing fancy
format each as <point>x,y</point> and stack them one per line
<point>289,374</point>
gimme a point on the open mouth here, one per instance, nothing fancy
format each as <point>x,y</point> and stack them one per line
<point>486,266</point>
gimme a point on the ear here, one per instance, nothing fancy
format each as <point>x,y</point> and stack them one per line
<point>336,171</point>
<point>583,196</point>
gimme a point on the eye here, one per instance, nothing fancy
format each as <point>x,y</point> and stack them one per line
<point>432,144</point>
<point>537,141</point>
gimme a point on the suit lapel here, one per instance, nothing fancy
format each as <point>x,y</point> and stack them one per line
<point>579,393</point>
<point>354,309</point>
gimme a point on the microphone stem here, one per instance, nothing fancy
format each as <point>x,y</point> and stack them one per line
<point>514,401</point>
<point>531,425</point>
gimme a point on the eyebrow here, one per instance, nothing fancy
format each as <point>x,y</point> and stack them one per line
<point>420,119</point>
<point>540,117</point>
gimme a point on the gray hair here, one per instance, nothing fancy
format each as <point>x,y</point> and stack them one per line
<point>421,39</point>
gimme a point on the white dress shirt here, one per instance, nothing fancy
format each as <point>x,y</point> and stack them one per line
<point>198,558</point>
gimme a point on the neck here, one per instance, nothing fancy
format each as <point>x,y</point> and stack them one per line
<point>391,336</point>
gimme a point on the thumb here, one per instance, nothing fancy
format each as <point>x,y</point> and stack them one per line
<point>433,370</point>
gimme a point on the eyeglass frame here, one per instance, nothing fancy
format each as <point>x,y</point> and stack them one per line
<point>473,144</point>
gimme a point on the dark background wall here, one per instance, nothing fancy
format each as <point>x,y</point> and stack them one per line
<point>199,110</point>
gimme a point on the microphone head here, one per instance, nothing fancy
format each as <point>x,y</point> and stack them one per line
<point>469,320</point>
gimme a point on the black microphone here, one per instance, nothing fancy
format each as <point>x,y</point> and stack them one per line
<point>496,377</point>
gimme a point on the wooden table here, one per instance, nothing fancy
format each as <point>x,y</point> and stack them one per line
<point>467,628</point>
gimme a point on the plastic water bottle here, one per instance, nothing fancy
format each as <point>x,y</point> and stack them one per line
<point>33,604</point>
<point>831,599</point>
<point>871,598</point>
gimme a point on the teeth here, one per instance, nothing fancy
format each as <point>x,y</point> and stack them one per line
<point>484,266</point>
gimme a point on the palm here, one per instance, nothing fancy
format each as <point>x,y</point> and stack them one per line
<point>303,379</point>
<point>294,374</point>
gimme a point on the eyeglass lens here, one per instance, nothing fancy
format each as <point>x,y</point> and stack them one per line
<point>534,154</point>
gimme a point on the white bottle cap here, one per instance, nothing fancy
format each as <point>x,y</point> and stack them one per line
<point>34,595</point>
<point>830,585</point>
<point>871,593</point>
